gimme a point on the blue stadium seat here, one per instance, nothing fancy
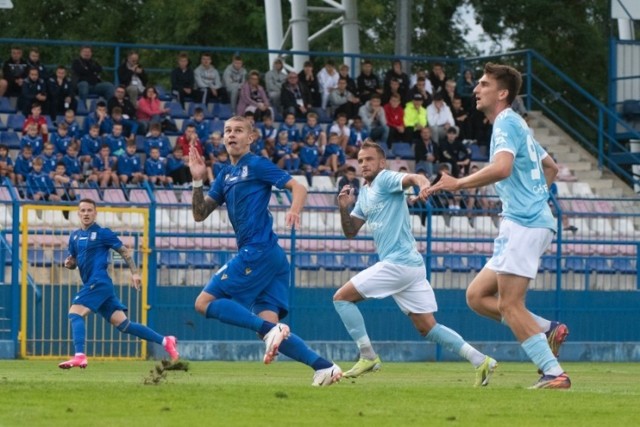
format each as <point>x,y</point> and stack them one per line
<point>15,121</point>
<point>623,265</point>
<point>455,263</point>
<point>548,263</point>
<point>92,105</point>
<point>207,114</point>
<point>176,111</point>
<point>217,126</point>
<point>82,109</point>
<point>5,106</point>
<point>170,259</point>
<point>477,154</point>
<point>599,265</point>
<point>3,126</point>
<point>435,265</point>
<point>218,259</point>
<point>476,262</point>
<point>10,139</point>
<point>140,143</point>
<point>576,264</point>
<point>330,262</point>
<point>373,259</point>
<point>403,150</point>
<point>198,259</point>
<point>59,255</point>
<point>163,94</point>
<point>354,262</point>
<point>38,258</point>
<point>222,111</point>
<point>304,262</point>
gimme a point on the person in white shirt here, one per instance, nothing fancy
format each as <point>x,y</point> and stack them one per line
<point>328,81</point>
<point>439,117</point>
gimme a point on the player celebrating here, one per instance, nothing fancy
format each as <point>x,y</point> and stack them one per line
<point>251,290</point>
<point>401,271</point>
<point>89,248</point>
<point>522,172</point>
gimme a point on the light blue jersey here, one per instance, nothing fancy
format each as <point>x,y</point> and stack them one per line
<point>524,193</point>
<point>382,204</point>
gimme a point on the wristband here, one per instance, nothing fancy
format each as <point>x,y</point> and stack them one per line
<point>197,183</point>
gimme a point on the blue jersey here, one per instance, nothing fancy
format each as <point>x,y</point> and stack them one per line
<point>218,166</point>
<point>23,166</point>
<point>331,149</point>
<point>309,155</point>
<point>160,142</point>
<point>282,150</point>
<point>292,131</point>
<point>203,128</point>
<point>7,159</point>
<point>90,248</point>
<point>61,142</point>
<point>99,164</point>
<point>39,182</point>
<point>34,142</point>
<point>74,130</point>
<point>128,164</point>
<point>524,194</point>
<point>174,163</point>
<point>117,144</point>
<point>246,189</point>
<point>48,162</point>
<point>155,167</point>
<point>72,165</point>
<point>383,205</point>
<point>267,132</point>
<point>315,130</point>
<point>357,137</point>
<point>210,149</point>
<point>89,146</point>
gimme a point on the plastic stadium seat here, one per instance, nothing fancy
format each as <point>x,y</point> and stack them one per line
<point>5,106</point>
<point>581,189</point>
<point>548,263</point>
<point>217,126</point>
<point>3,126</point>
<point>330,262</point>
<point>623,265</point>
<point>15,122</point>
<point>599,265</point>
<point>372,259</point>
<point>477,154</point>
<point>175,110</point>
<point>218,259</point>
<point>322,183</point>
<point>139,196</point>
<point>223,111</point>
<point>454,263</point>
<point>10,139</point>
<point>163,94</point>
<point>475,262</point>
<point>402,150</point>
<point>197,259</point>
<point>576,264</point>
<point>207,114</point>
<point>354,262</point>
<point>114,195</point>
<point>435,264</point>
<point>304,262</point>
<point>171,259</point>
<point>38,258</point>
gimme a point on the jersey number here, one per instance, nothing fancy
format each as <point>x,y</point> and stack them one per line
<point>533,155</point>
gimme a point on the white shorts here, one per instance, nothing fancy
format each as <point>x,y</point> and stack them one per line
<point>407,285</point>
<point>517,249</point>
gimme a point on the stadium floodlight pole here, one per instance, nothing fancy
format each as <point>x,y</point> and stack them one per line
<point>273,15</point>
<point>350,35</point>
<point>300,32</point>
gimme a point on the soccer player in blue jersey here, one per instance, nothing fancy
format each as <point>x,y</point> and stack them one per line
<point>522,172</point>
<point>89,249</point>
<point>401,271</point>
<point>251,290</point>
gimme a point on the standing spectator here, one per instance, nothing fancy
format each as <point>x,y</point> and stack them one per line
<point>394,113</point>
<point>14,72</point>
<point>34,89</point>
<point>439,117</point>
<point>104,169</point>
<point>454,152</point>
<point>129,166</point>
<point>32,139</point>
<point>396,73</point>
<point>40,186</point>
<point>33,61</point>
<point>327,81</point>
<point>308,79</point>
<point>150,108</point>
<point>132,76</point>
<point>39,120</point>
<point>253,97</point>
<point>183,80</point>
<point>156,139</point>
<point>189,138</point>
<point>295,97</point>
<point>415,117</point>
<point>155,169</point>
<point>368,83</point>
<point>86,74</point>
<point>374,119</point>
<point>208,81</point>
<point>426,151</point>
<point>177,168</point>
<point>60,93</point>
<point>341,100</point>
<point>23,164</point>
<point>233,78</point>
<point>6,164</point>
<point>438,77</point>
<point>273,81</point>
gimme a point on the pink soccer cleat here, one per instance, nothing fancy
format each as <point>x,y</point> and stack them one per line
<point>171,347</point>
<point>77,361</point>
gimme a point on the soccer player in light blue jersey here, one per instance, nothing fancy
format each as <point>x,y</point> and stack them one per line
<point>89,249</point>
<point>251,290</point>
<point>523,173</point>
<point>401,272</point>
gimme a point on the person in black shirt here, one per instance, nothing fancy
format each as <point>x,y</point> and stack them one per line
<point>454,152</point>
<point>14,72</point>
<point>60,93</point>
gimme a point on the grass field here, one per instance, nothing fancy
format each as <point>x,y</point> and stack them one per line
<point>37,393</point>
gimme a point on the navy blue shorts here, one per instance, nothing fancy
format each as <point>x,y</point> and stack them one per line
<point>255,278</point>
<point>100,298</point>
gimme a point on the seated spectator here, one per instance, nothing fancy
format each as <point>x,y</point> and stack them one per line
<point>466,84</point>
<point>73,127</point>
<point>90,147</point>
<point>183,80</point>
<point>268,134</point>
<point>253,97</point>
<point>357,135</point>
<point>98,117</point>
<point>368,82</point>
<point>104,169</point>
<point>23,165</point>
<point>308,80</point>
<point>341,129</point>
<point>426,151</point>
<point>49,158</point>
<point>333,156</point>
<point>420,73</point>
<point>222,161</point>
<point>289,125</point>
<point>61,139</point>
<point>257,145</point>
<point>32,139</point>
<point>203,126</point>
<point>115,140</point>
<point>396,75</point>
<point>273,81</point>
<point>342,100</point>
<point>394,112</point>
<point>40,186</point>
<point>455,153</point>
<point>213,147</point>
<point>66,186</point>
<point>295,97</point>
<point>439,117</point>
<point>33,61</point>
<point>312,126</point>
<point>283,155</point>
<point>39,120</point>
<point>445,200</point>
<point>394,89</point>
<point>150,109</point>
<point>309,155</point>
<point>129,127</point>
<point>14,72</point>
<point>121,101</point>
<point>72,163</point>
<point>6,164</point>
<point>208,81</point>
<point>423,87</point>
<point>129,166</point>
<point>60,93</point>
<point>132,76</point>
<point>343,71</point>
<point>178,167</point>
<point>327,81</point>
<point>374,119</point>
<point>438,77</point>
<point>349,178</point>
<point>190,137</point>
<point>461,119</point>
<point>415,117</point>
<point>449,92</point>
<point>156,139</point>
<point>233,78</point>
<point>86,74</point>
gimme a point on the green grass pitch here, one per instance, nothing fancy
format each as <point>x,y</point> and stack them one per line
<point>113,393</point>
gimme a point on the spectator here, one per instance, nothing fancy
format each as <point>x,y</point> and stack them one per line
<point>268,134</point>
<point>73,126</point>
<point>37,119</point>
<point>394,88</point>
<point>415,117</point>
<point>461,119</point>
<point>343,71</point>
<point>421,88</point>
<point>396,74</point>
<point>104,169</point>
<point>132,76</point>
<point>115,140</point>
<point>253,97</point>
<point>426,151</point>
<point>307,79</point>
<point>368,83</point>
<point>23,165</point>
<point>34,90</point>
<point>121,101</point>
<point>49,158</point>
<point>439,117</point>
<point>156,169</point>
<point>465,87</point>
<point>342,100</point>
<point>61,139</point>
<point>177,168</point>
<point>33,61</point>
<point>86,74</point>
<point>421,74</point>
<point>208,81</point>
<point>72,163</point>
<point>295,97</point>
<point>233,78</point>
<point>334,157</point>
<point>309,155</point>
<point>273,81</point>
<point>327,81</point>
<point>449,92</point>
<point>358,133</point>
<point>129,127</point>
<point>313,127</point>
<point>349,178</point>
<point>446,201</point>
<point>32,139</point>
<point>60,93</point>
<point>394,113</point>
<point>289,125</point>
<point>6,164</point>
<point>284,155</point>
<point>183,80</point>
<point>341,129</point>
<point>65,185</point>
<point>156,139</point>
<point>455,153</point>
<point>129,166</point>
<point>437,77</point>
<point>190,137</point>
<point>90,146</point>
<point>150,109</point>
<point>257,145</point>
<point>14,72</point>
<point>40,186</point>
<point>213,147</point>
<point>374,119</point>
<point>221,162</point>
<point>98,117</point>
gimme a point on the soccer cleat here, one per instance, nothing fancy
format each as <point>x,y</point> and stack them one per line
<point>272,341</point>
<point>327,376</point>
<point>171,347</point>
<point>363,366</point>
<point>561,381</point>
<point>77,361</point>
<point>556,336</point>
<point>484,371</point>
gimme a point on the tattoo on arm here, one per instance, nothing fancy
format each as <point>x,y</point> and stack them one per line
<point>202,206</point>
<point>348,227</point>
<point>126,256</point>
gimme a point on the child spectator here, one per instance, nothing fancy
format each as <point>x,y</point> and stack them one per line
<point>395,120</point>
<point>190,137</point>
<point>24,164</point>
<point>6,164</point>
<point>268,133</point>
<point>65,185</point>
<point>203,126</point>
<point>129,127</point>
<point>40,186</point>
<point>116,140</point>
<point>357,134</point>
<point>49,158</point>
<point>454,152</point>
<point>71,162</point>
<point>74,129</point>
<point>90,146</point>
<point>32,139</point>
<point>61,139</point>
<point>156,169</point>
<point>334,154</point>
<point>129,166</point>
<point>99,117</point>
<point>312,126</point>
<point>39,120</point>
<point>104,169</point>
<point>213,147</point>
<point>177,168</point>
<point>156,139</point>
<point>289,125</point>
<point>342,131</point>
<point>258,146</point>
<point>284,156</point>
<point>221,162</point>
<point>349,178</point>
<point>310,158</point>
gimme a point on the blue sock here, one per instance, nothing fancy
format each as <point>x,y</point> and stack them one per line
<point>296,349</point>
<point>448,338</point>
<point>140,331</point>
<point>540,354</point>
<point>232,313</point>
<point>78,331</point>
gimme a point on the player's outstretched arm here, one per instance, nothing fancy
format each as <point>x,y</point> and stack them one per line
<point>135,275</point>
<point>298,195</point>
<point>350,224</point>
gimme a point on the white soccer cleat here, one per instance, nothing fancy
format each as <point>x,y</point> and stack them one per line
<point>327,376</point>
<point>272,341</point>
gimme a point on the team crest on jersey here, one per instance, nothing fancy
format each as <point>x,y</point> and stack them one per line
<point>224,277</point>
<point>245,172</point>
<point>499,136</point>
<point>93,235</point>
<point>247,271</point>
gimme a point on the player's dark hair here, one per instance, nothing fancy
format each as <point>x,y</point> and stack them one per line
<point>86,200</point>
<point>507,77</point>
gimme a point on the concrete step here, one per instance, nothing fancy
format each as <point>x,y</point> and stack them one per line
<point>579,166</point>
<point>609,192</point>
<point>566,157</point>
<point>601,184</point>
<point>588,175</point>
